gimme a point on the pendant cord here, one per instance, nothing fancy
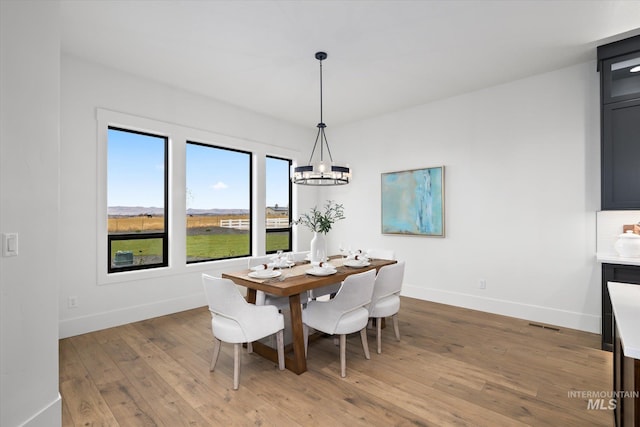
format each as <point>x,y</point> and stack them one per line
<point>322,125</point>
<point>321,120</point>
<point>321,129</point>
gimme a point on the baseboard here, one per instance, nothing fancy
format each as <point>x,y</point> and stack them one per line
<point>551,316</point>
<point>49,416</point>
<point>536,313</point>
<point>108,319</point>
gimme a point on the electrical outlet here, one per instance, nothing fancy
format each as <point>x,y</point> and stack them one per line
<point>9,244</point>
<point>72,302</point>
<point>482,284</point>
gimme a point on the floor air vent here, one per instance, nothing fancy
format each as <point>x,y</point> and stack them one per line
<point>544,327</point>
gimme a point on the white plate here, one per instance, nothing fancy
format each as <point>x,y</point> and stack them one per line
<point>260,267</point>
<point>321,272</point>
<point>356,263</point>
<point>264,274</point>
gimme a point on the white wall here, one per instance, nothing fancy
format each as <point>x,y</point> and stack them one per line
<point>137,295</point>
<point>522,187</point>
<point>29,150</point>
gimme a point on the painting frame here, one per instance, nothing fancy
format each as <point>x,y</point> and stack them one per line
<point>412,202</point>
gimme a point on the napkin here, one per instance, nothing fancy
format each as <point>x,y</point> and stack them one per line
<point>323,264</point>
<point>262,267</point>
<point>358,257</point>
<point>323,267</point>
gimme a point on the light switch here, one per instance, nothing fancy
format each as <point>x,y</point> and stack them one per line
<point>9,244</point>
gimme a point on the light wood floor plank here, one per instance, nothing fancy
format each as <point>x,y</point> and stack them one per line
<point>127,404</point>
<point>99,365</point>
<point>452,367</point>
<point>168,405</point>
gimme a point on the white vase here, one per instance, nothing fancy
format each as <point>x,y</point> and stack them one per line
<point>318,247</point>
<point>628,245</point>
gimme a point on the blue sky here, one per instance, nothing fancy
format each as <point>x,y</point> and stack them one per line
<point>216,178</point>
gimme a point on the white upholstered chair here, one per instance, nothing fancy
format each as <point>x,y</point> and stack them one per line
<point>346,313</point>
<point>234,320</point>
<point>300,256</point>
<point>385,301</point>
<point>261,296</point>
<point>381,254</point>
<point>329,290</point>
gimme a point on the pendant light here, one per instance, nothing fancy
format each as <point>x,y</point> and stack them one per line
<point>321,172</point>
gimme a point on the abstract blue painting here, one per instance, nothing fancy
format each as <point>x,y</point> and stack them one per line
<point>413,202</point>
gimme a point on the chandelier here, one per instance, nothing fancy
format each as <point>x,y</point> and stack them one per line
<point>321,172</point>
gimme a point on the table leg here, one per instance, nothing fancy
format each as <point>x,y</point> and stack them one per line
<point>299,363</point>
<point>251,296</point>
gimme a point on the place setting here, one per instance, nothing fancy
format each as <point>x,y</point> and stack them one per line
<point>274,268</point>
<point>356,259</point>
<point>322,268</point>
<point>264,272</point>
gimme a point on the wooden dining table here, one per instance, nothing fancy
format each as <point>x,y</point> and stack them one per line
<point>291,283</point>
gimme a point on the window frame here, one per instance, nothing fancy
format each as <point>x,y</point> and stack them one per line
<point>250,155</point>
<point>164,235</point>
<point>178,134</point>
<point>290,202</point>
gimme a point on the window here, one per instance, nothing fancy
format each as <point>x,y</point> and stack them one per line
<point>278,203</point>
<point>137,199</point>
<point>196,193</point>
<point>218,191</point>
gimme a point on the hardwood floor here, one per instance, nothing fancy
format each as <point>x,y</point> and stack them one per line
<point>453,366</point>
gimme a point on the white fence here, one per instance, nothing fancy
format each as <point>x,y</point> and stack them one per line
<point>243,224</point>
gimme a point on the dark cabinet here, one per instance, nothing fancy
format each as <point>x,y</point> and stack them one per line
<point>614,273</point>
<point>619,66</point>
<point>621,155</point>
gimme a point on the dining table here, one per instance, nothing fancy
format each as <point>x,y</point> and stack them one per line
<point>291,283</point>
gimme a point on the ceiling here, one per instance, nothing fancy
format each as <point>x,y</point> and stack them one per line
<point>383,56</point>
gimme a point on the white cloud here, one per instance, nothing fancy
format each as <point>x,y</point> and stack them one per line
<point>219,186</point>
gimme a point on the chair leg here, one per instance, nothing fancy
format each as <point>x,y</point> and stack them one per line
<point>305,332</point>
<point>379,334</point>
<point>236,365</point>
<point>343,355</point>
<point>365,343</point>
<point>249,347</point>
<point>371,323</point>
<point>396,327</point>
<point>280,344</point>
<point>216,352</point>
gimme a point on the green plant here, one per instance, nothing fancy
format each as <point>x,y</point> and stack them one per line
<point>321,222</point>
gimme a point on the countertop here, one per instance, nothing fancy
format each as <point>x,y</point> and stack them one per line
<point>625,299</point>
<point>615,259</point>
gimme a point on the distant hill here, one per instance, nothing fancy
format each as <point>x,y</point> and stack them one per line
<point>217,211</point>
<point>141,210</point>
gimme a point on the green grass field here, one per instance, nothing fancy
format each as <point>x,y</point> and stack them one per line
<point>143,247</point>
<point>210,246</point>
